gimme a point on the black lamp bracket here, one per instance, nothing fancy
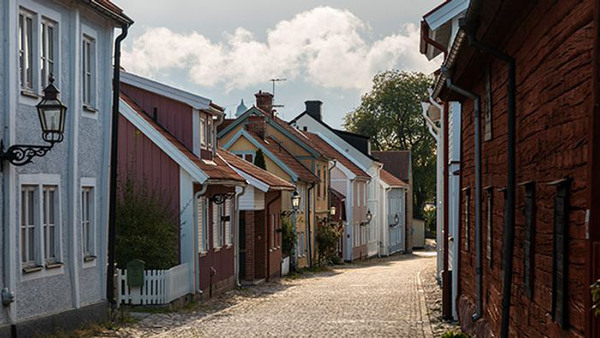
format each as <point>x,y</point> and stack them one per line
<point>22,154</point>
<point>221,198</point>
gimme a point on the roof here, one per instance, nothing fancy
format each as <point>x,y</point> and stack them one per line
<point>110,10</point>
<point>219,171</point>
<point>279,150</point>
<point>392,180</point>
<point>395,162</point>
<point>327,150</point>
<point>273,181</point>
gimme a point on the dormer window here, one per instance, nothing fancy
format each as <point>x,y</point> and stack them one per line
<point>209,132</point>
<point>203,132</point>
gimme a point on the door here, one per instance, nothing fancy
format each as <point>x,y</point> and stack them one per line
<point>395,220</point>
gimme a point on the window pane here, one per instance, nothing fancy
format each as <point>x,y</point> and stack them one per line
<point>30,243</point>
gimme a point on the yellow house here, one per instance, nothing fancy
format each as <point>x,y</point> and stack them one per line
<point>288,154</point>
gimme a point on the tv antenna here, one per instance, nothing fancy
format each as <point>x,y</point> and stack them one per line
<point>276,80</point>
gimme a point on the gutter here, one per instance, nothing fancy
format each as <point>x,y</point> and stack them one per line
<point>120,18</point>
<point>477,141</point>
<point>114,147</point>
<point>469,24</point>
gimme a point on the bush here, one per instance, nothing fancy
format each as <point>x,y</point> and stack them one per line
<point>327,238</point>
<point>146,227</point>
<point>454,334</point>
<point>259,160</point>
<point>288,237</point>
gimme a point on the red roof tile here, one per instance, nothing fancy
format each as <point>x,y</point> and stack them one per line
<point>304,174</point>
<point>218,171</point>
<point>327,150</point>
<point>396,162</point>
<point>256,172</point>
<point>391,180</point>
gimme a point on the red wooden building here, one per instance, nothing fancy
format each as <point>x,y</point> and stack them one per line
<point>527,75</point>
<point>167,139</point>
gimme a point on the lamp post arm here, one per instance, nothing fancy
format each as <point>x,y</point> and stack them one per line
<point>22,154</point>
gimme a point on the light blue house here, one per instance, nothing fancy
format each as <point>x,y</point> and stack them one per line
<point>55,210</point>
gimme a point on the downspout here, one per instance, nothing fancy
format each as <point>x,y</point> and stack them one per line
<point>236,231</point>
<point>308,225</point>
<point>447,284</point>
<point>112,226</point>
<point>196,249</point>
<point>509,232</point>
<point>477,141</point>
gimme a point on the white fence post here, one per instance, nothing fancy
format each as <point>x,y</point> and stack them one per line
<point>160,286</point>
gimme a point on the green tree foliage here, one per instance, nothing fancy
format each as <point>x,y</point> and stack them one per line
<point>146,227</point>
<point>391,115</point>
<point>327,238</point>
<point>288,237</point>
<point>259,160</point>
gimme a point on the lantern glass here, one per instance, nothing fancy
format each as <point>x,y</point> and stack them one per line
<point>369,215</point>
<point>295,200</point>
<point>52,114</point>
<point>332,211</point>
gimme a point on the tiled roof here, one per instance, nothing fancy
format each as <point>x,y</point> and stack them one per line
<point>327,150</point>
<point>109,9</point>
<point>256,172</point>
<point>108,4</point>
<point>396,162</point>
<point>391,180</point>
<point>304,174</point>
<point>217,171</point>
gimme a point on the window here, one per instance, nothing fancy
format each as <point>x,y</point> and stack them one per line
<point>226,220</point>
<point>26,31</point>
<point>249,157</point>
<point>202,224</point>
<point>49,224</point>
<point>209,132</point>
<point>47,48</point>
<point>88,58</point>
<point>203,132</point>
<point>88,226</point>
<point>28,221</point>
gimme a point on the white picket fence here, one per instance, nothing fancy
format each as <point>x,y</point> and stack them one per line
<point>160,286</point>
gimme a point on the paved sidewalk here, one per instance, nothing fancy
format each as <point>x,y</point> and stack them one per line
<point>380,297</point>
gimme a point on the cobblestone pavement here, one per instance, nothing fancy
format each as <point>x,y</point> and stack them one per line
<point>380,297</point>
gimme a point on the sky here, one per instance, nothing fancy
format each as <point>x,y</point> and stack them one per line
<point>228,50</point>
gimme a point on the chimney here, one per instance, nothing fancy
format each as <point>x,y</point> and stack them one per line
<point>313,108</point>
<point>264,101</point>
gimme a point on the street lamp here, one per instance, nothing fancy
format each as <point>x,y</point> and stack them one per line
<point>295,205</point>
<point>369,218</point>
<point>51,113</point>
<point>396,221</point>
<point>332,211</point>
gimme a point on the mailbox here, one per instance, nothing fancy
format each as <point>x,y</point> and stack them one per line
<point>135,273</point>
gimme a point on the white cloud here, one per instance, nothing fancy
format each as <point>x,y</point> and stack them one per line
<point>325,46</point>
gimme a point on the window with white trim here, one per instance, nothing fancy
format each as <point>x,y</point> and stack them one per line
<point>218,229</point>
<point>203,132</point>
<point>28,228</point>
<point>48,50</point>
<point>26,35</point>
<point>209,132</point>
<point>88,71</point>
<point>50,211</point>
<point>88,222</point>
<point>227,223</point>
<point>202,224</point>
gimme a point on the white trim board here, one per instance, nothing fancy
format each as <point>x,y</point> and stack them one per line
<point>162,142</point>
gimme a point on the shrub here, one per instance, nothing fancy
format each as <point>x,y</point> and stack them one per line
<point>327,238</point>
<point>146,227</point>
<point>288,237</point>
<point>454,334</point>
<point>259,160</point>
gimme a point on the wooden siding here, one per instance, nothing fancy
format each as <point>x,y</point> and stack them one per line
<point>174,116</point>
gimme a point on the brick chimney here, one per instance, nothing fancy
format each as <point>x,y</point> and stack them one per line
<point>313,108</point>
<point>264,101</point>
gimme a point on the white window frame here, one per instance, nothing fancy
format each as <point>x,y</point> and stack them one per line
<point>27,58</point>
<point>203,131</point>
<point>29,217</point>
<point>48,225</point>
<point>88,185</point>
<point>89,70</point>
<point>45,58</point>
<point>202,221</point>
<point>43,267</point>
<point>218,230</point>
<point>209,132</point>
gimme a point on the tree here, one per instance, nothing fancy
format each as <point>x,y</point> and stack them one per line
<point>146,227</point>
<point>259,160</point>
<point>391,115</point>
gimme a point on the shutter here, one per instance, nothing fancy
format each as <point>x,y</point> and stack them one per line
<point>215,225</point>
<point>559,278</point>
<point>227,221</point>
<point>528,246</point>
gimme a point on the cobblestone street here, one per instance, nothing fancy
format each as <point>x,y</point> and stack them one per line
<point>380,297</point>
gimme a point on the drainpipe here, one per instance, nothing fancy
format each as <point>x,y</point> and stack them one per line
<point>509,231</point>
<point>478,237</point>
<point>236,231</point>
<point>112,226</point>
<point>308,225</point>
<point>196,249</point>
